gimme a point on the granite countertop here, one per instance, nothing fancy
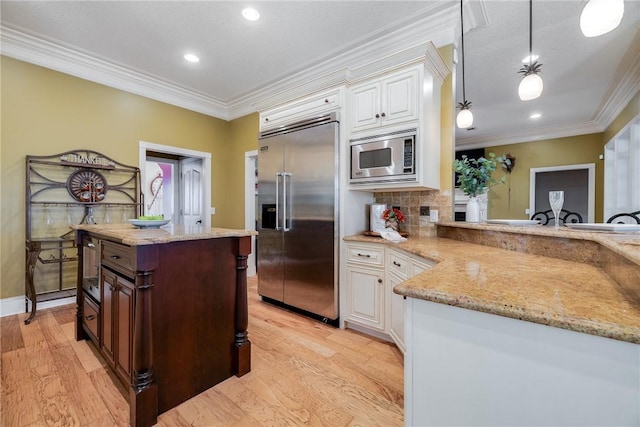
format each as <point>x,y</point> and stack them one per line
<point>129,235</point>
<point>625,244</point>
<point>555,292</point>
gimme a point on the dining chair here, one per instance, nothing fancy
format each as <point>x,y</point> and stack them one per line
<point>565,217</point>
<point>625,218</point>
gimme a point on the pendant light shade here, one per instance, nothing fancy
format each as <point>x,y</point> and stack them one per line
<point>531,83</point>
<point>601,16</point>
<point>464,120</point>
<point>530,87</point>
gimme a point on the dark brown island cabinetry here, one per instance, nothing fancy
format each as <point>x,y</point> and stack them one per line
<point>172,316</point>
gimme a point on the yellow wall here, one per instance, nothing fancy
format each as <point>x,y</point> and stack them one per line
<point>243,137</point>
<point>447,113</point>
<point>510,200</point>
<point>45,112</point>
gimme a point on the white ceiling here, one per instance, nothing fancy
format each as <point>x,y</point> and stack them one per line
<point>138,46</point>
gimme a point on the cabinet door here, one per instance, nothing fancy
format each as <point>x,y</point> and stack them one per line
<point>397,271</point>
<point>366,106</point>
<point>109,285</point>
<point>396,318</point>
<point>365,296</point>
<point>124,327</point>
<point>399,98</point>
<point>312,106</point>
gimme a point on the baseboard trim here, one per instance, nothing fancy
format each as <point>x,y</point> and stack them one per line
<point>15,305</point>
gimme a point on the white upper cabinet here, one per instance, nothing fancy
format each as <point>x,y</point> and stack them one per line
<point>308,107</point>
<point>397,101</point>
<point>385,102</point>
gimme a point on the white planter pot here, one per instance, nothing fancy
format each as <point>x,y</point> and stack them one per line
<point>473,210</point>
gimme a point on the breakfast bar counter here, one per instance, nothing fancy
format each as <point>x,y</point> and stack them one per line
<point>570,288</point>
<point>521,326</point>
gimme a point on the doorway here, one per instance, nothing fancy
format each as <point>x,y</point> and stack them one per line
<point>577,182</point>
<point>160,187</point>
<point>187,199</point>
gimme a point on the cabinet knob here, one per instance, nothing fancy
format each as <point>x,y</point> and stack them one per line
<point>266,119</point>
<point>112,288</point>
<point>384,115</point>
<point>397,264</point>
<point>115,256</point>
<point>377,116</point>
<point>90,317</point>
<point>364,255</point>
<point>379,280</point>
<point>326,101</point>
<point>91,245</point>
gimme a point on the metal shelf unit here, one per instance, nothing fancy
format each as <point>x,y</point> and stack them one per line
<point>74,187</point>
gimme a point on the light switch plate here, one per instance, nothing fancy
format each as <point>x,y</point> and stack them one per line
<point>433,215</point>
<point>213,210</point>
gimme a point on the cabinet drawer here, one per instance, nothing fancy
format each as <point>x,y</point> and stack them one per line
<point>398,264</point>
<point>90,316</point>
<point>365,255</point>
<point>118,257</point>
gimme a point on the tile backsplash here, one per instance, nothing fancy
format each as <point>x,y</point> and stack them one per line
<point>410,203</point>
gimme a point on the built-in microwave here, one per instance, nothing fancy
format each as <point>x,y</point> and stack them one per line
<point>384,158</point>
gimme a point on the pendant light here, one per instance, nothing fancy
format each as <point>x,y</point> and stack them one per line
<point>531,83</point>
<point>464,120</point>
<point>601,16</point>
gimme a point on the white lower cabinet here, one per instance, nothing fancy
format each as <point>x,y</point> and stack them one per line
<point>373,270</point>
<point>366,296</point>
<point>397,271</point>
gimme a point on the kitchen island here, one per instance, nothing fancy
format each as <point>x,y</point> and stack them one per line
<point>522,326</point>
<point>170,316</point>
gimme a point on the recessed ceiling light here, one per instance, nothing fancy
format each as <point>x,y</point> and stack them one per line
<point>535,116</point>
<point>191,57</point>
<point>250,14</point>
<point>526,60</point>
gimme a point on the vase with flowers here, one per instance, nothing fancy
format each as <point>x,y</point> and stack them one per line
<point>474,178</point>
<point>392,217</point>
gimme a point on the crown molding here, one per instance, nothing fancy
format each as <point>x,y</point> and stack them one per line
<point>34,50</point>
<point>625,84</point>
<point>551,132</point>
<point>419,35</point>
<point>365,57</point>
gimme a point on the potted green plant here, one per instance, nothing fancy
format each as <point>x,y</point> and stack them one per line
<point>475,178</point>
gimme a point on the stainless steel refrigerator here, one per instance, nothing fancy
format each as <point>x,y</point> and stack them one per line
<point>297,216</point>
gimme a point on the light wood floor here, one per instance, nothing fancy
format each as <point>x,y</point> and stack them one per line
<point>303,373</point>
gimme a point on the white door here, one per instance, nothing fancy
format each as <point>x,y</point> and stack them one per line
<point>191,185</point>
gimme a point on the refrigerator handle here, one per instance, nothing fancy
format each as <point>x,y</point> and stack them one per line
<point>278,175</point>
<point>285,201</point>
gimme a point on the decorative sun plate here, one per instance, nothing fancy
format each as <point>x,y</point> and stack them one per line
<point>87,186</point>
